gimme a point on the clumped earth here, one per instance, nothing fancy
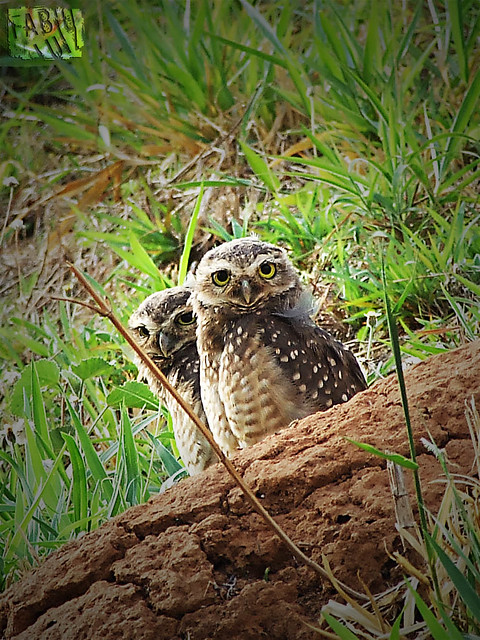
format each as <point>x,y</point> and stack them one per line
<point>197,563</point>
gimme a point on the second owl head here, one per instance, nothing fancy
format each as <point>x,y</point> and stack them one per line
<point>164,322</point>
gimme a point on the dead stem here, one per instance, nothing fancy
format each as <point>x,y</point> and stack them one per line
<point>81,303</point>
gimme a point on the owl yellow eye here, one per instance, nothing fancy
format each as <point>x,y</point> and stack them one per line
<point>186,318</point>
<point>143,331</point>
<point>221,278</point>
<point>267,270</point>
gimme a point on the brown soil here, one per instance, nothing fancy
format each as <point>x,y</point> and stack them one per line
<point>197,563</point>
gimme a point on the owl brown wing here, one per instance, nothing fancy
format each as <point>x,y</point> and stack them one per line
<point>323,371</point>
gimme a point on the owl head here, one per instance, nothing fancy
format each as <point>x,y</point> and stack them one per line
<point>244,276</point>
<point>164,323</point>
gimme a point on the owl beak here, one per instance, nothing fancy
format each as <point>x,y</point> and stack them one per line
<point>165,344</point>
<point>246,291</point>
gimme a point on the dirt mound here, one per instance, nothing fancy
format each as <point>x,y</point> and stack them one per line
<point>197,563</point>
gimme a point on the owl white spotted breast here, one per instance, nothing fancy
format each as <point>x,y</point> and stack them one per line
<point>164,325</point>
<point>263,360</point>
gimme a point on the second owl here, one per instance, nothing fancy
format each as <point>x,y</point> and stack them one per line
<point>164,325</point>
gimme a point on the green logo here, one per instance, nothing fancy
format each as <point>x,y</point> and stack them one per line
<point>39,32</point>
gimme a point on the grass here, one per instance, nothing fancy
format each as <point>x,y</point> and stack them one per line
<point>348,133</point>
<point>438,597</point>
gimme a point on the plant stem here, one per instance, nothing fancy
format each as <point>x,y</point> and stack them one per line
<point>392,328</point>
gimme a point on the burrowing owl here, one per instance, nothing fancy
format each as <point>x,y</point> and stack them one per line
<point>263,361</point>
<point>164,325</point>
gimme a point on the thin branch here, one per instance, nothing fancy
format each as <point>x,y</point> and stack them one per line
<point>105,310</point>
<point>81,303</point>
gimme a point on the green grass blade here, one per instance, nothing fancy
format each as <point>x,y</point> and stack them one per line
<point>171,464</point>
<point>472,36</point>
<point>435,628</point>
<point>395,343</point>
<point>191,87</point>
<point>224,182</point>
<point>459,313</point>
<point>372,56</point>
<point>34,469</point>
<point>412,72</point>
<point>132,55</point>
<point>260,168</point>
<point>39,456</point>
<point>39,415</point>
<point>250,50</point>
<point>393,457</point>
<point>456,24</point>
<point>129,455</point>
<point>341,40</point>
<point>404,45</point>
<point>395,630</point>
<point>79,489</point>
<point>14,464</point>
<point>374,100</point>
<point>192,225</point>
<point>138,263</point>
<point>144,261</point>
<point>61,127</point>
<point>21,531</point>
<point>270,34</point>
<point>77,526</point>
<point>471,176</point>
<point>95,467</point>
<point>469,596</point>
<point>341,630</point>
<point>474,288</point>
<point>468,107</point>
<point>96,285</point>
<point>48,375</point>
